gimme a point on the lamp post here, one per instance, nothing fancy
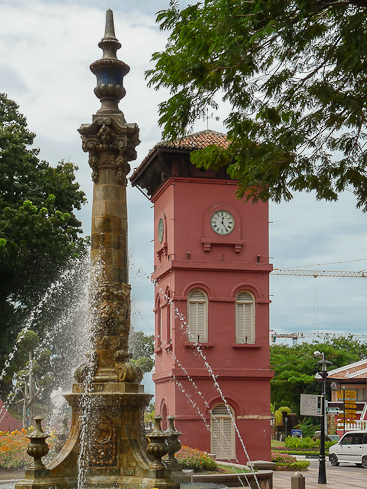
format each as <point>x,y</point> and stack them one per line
<point>323,374</point>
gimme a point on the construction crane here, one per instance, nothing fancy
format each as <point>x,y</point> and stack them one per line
<point>296,336</point>
<point>320,273</point>
<point>315,274</point>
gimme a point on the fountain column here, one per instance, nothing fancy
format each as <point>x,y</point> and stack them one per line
<point>111,143</point>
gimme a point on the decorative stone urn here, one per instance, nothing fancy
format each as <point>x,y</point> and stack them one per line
<point>157,446</point>
<point>37,447</point>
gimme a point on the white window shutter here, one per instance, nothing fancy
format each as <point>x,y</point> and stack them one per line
<point>198,317</point>
<point>215,437</point>
<point>245,318</point>
<point>222,433</point>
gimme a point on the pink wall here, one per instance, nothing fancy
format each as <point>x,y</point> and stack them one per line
<point>8,423</point>
<point>192,255</point>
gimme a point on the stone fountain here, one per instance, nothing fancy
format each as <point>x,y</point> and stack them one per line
<point>106,438</point>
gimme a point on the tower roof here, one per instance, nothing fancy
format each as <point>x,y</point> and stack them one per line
<point>198,140</point>
<point>152,163</point>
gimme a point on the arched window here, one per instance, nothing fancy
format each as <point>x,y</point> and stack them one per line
<point>164,417</point>
<point>158,324</point>
<point>169,314</point>
<point>222,433</point>
<point>197,315</point>
<point>245,317</point>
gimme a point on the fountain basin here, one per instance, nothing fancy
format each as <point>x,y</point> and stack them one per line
<point>261,478</point>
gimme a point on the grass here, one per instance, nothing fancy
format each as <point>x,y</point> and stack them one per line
<point>277,443</point>
<point>228,469</point>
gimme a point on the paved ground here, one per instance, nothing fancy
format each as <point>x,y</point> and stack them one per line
<point>342,477</point>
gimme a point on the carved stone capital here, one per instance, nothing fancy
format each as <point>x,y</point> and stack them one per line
<point>110,144</point>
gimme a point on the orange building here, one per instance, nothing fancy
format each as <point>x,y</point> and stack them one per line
<point>349,390</point>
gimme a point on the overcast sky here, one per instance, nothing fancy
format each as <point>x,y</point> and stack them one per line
<point>46,48</point>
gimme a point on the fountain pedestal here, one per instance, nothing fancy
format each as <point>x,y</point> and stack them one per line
<point>105,446</point>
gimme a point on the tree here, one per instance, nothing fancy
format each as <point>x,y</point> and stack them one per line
<point>295,77</point>
<point>141,348</point>
<point>33,378</point>
<point>39,231</point>
<point>295,366</point>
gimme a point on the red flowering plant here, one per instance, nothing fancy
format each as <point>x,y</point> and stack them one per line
<point>13,449</point>
<point>191,458</point>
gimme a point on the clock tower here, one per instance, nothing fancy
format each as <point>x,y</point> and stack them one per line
<point>211,275</point>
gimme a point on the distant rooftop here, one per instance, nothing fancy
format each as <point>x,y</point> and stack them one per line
<point>357,370</point>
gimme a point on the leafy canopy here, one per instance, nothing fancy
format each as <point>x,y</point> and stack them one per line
<point>295,76</point>
<point>295,367</point>
<point>39,231</point>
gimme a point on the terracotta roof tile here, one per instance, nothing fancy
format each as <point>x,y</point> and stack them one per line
<point>350,371</point>
<point>198,140</point>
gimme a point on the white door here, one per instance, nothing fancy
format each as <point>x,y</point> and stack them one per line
<point>345,448</point>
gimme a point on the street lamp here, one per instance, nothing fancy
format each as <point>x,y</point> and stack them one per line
<point>323,374</point>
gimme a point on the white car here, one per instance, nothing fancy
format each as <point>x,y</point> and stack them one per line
<point>352,448</point>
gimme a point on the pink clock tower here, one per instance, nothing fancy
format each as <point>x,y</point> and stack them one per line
<point>211,275</point>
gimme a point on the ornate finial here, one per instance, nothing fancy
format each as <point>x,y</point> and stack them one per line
<point>109,44</point>
<point>110,72</point>
<point>110,28</point>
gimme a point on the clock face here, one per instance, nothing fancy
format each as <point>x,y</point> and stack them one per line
<point>222,222</point>
<point>160,230</point>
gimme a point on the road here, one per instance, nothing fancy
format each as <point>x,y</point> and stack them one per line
<point>341,477</point>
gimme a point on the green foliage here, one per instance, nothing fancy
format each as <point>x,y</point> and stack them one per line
<point>278,414</point>
<point>295,442</point>
<point>295,80</point>
<point>307,427</point>
<point>141,347</point>
<point>28,340</point>
<point>191,458</point>
<point>312,453</point>
<point>287,462</point>
<point>145,364</point>
<point>295,366</point>
<point>149,413</point>
<point>307,443</point>
<point>39,231</point>
<point>285,409</point>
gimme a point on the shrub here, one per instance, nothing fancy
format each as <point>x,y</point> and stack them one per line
<point>308,443</point>
<point>287,462</point>
<point>191,458</point>
<point>13,449</point>
<point>295,442</point>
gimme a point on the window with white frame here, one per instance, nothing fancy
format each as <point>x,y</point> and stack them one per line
<point>197,315</point>
<point>245,317</point>
<point>158,326</point>
<point>222,432</point>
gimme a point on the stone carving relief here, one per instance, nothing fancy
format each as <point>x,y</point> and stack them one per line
<point>104,448</point>
<point>127,372</point>
<point>110,144</point>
